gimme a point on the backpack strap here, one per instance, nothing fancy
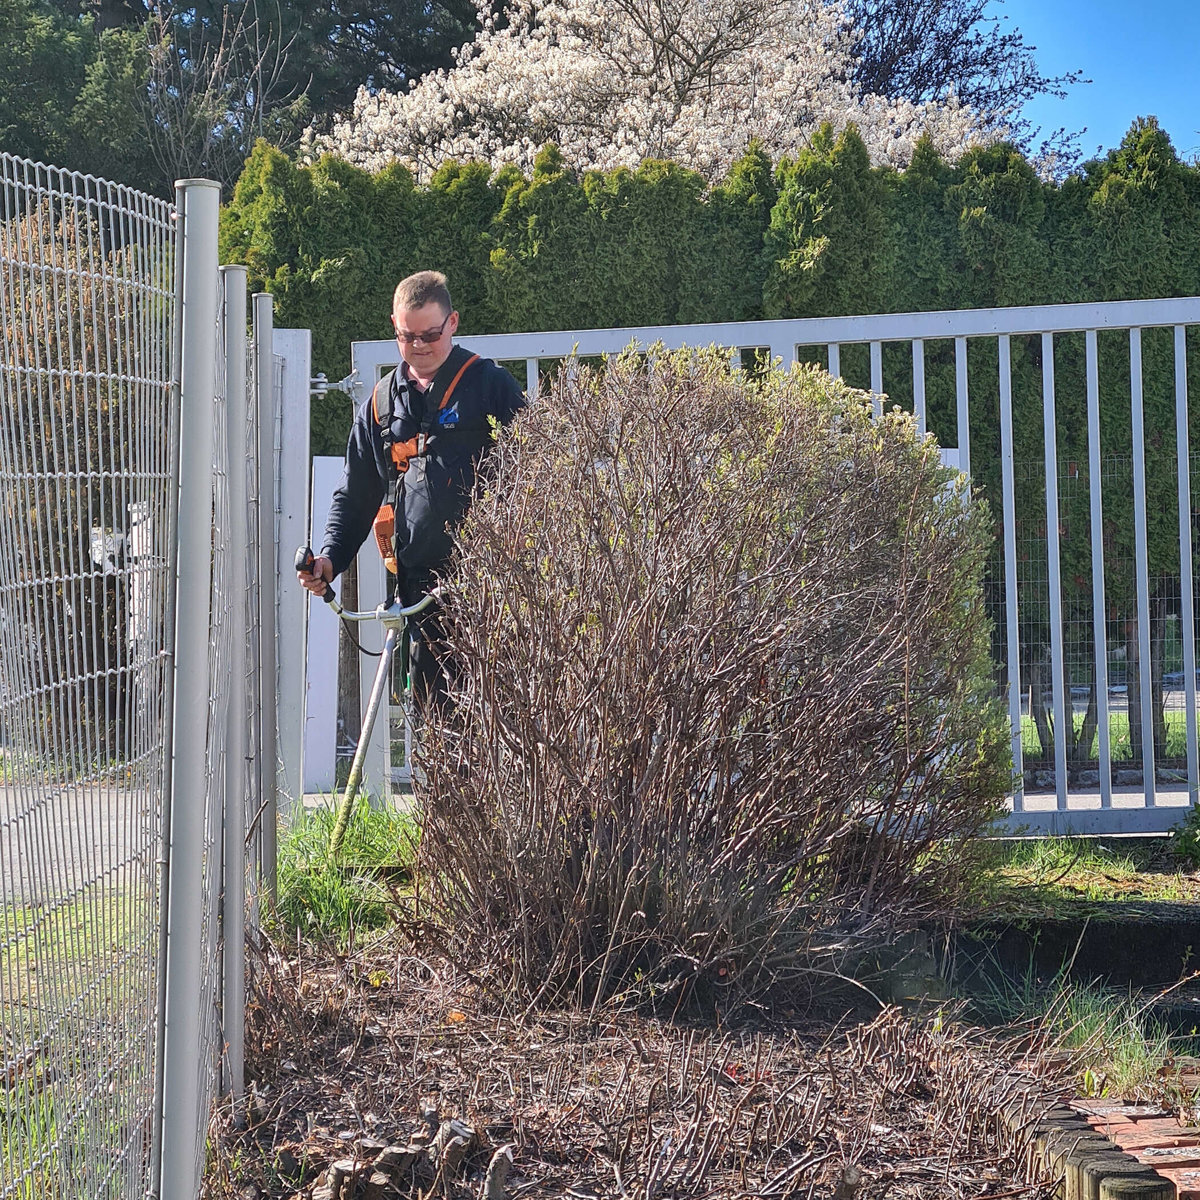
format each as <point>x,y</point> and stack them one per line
<point>471,358</point>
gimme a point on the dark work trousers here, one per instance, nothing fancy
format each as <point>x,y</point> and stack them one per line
<point>429,664</point>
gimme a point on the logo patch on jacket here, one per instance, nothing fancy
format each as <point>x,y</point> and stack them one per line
<point>448,416</point>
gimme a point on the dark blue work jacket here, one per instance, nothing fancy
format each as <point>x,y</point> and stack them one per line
<point>432,495</point>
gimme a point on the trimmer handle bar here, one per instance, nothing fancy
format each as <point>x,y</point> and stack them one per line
<point>391,616</point>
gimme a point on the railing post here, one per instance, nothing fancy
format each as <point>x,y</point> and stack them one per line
<point>233,921</point>
<point>1099,604</point>
<point>1012,623</point>
<point>877,378</point>
<point>268,764</point>
<point>1064,716</point>
<point>372,589</point>
<point>962,405</point>
<point>197,202</point>
<point>1187,626</point>
<point>1141,573</point>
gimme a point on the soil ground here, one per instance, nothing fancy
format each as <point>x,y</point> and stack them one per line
<point>351,1054</point>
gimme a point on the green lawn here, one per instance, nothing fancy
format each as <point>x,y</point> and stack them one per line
<point>77,998</point>
<point>1044,876</point>
<point>1118,733</point>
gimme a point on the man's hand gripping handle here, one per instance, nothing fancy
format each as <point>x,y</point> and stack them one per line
<point>316,575</point>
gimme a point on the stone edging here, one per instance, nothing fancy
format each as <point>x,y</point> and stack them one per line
<point>1091,1153</point>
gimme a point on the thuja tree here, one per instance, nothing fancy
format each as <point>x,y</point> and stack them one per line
<point>720,714</point>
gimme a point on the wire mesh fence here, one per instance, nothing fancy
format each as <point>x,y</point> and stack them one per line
<point>87,307</point>
<point>130,694</point>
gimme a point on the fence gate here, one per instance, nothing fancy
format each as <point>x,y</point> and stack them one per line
<point>131,630</point>
<point>1073,421</point>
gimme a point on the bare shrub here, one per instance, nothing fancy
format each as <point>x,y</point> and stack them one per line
<point>721,709</point>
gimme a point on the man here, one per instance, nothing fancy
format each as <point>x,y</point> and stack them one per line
<point>412,460</point>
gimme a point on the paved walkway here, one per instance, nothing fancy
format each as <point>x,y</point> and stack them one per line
<point>1084,813</point>
<point>57,841</point>
<point>1152,1136</point>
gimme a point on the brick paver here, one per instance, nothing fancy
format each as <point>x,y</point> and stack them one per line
<point>1153,1137</point>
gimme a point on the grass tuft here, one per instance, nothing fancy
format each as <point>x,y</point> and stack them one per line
<point>323,899</point>
<point>1115,1047</point>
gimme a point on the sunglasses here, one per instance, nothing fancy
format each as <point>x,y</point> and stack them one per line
<point>422,339</point>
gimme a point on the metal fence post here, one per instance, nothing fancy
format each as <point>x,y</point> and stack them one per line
<point>1011,615</point>
<point>268,765</point>
<point>197,202</point>
<point>233,921</point>
<point>171,599</point>
<point>294,347</point>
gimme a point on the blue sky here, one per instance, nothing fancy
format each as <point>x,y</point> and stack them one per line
<point>1143,59</point>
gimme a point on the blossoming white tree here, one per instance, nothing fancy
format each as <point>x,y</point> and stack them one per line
<point>613,82</point>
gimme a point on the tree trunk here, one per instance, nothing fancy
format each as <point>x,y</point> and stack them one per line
<point>1079,748</point>
<point>1133,688</point>
<point>1156,650</point>
<point>1037,709</point>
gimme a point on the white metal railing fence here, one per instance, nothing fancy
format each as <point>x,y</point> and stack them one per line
<point>1073,420</point>
<point>133,811</point>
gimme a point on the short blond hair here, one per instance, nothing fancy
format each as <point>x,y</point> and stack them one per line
<point>425,287</point>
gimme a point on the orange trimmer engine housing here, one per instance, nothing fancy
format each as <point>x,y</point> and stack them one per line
<point>384,529</point>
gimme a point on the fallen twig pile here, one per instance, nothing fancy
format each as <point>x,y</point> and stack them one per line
<point>381,1079</point>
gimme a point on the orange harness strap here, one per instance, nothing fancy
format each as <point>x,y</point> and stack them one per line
<point>403,451</point>
<point>384,527</point>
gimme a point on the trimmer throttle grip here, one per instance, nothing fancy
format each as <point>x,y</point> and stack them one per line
<point>305,561</point>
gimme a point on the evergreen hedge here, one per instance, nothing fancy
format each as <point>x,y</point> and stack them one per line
<point>821,234</point>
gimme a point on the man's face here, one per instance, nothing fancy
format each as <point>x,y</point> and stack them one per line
<point>424,336</point>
